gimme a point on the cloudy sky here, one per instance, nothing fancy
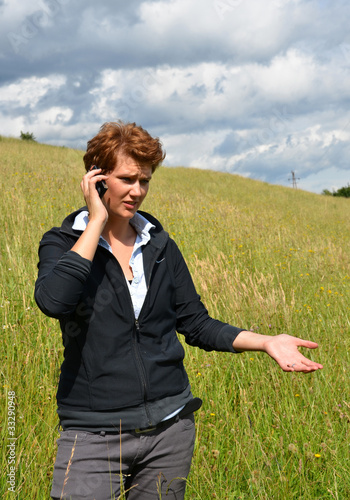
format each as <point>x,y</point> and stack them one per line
<point>260,88</point>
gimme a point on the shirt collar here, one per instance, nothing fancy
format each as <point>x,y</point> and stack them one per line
<point>142,226</point>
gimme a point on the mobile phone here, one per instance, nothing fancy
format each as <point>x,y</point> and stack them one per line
<point>101,186</point>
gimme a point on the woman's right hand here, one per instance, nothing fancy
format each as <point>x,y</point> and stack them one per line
<point>96,207</point>
<point>87,243</point>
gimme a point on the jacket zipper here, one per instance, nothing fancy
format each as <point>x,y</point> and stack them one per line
<point>141,370</point>
<point>138,356</point>
<point>136,333</point>
<point>136,348</point>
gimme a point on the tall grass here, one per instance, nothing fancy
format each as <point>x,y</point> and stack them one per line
<point>263,257</point>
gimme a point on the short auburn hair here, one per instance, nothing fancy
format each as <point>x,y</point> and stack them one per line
<point>127,138</point>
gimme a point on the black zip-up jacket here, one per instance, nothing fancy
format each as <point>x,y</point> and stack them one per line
<point>113,364</point>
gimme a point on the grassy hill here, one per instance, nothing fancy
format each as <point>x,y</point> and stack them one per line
<point>263,257</point>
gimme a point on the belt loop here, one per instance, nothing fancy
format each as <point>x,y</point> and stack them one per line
<point>102,433</point>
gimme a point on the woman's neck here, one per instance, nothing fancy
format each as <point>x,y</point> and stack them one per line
<point>120,230</point>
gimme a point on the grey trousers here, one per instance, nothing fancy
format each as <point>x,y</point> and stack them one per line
<point>131,466</point>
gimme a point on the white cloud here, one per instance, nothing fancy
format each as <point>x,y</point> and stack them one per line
<point>54,116</point>
<point>13,126</point>
<point>28,91</point>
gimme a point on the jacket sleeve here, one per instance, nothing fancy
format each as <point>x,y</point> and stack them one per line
<point>62,274</point>
<point>193,320</point>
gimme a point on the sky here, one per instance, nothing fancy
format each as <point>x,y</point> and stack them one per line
<point>259,88</point>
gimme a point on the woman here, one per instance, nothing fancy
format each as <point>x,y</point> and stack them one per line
<point>121,289</point>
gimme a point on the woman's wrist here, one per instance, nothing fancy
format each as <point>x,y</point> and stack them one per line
<point>87,243</point>
<point>251,341</point>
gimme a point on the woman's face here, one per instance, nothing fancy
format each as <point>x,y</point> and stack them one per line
<point>127,185</point>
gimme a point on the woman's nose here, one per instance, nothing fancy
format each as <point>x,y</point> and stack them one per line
<point>136,189</point>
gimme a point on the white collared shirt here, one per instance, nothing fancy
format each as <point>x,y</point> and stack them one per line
<point>138,286</point>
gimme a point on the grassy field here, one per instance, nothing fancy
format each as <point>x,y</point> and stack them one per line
<point>263,257</point>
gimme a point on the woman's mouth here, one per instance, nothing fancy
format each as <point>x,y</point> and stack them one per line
<point>130,204</point>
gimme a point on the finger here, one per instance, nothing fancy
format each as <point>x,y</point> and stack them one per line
<point>92,173</point>
<point>304,365</point>
<point>307,343</point>
<point>90,179</point>
<point>308,362</point>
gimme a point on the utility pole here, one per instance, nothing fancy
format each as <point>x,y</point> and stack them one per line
<point>294,180</point>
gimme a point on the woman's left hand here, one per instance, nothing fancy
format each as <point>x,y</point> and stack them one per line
<point>284,350</point>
